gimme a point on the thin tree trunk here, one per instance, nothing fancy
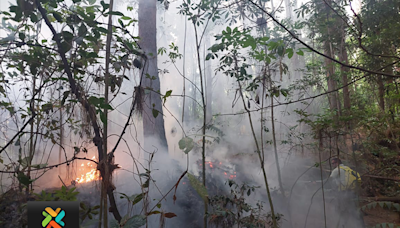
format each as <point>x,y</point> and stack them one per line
<point>274,222</point>
<point>274,141</point>
<point>330,68</point>
<point>343,57</point>
<point>152,126</point>
<point>106,179</point>
<point>61,138</point>
<point>31,144</point>
<point>184,74</point>
<point>330,73</point>
<point>203,152</point>
<point>208,87</point>
<point>381,90</point>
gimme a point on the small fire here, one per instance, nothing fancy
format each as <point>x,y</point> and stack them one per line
<point>89,176</point>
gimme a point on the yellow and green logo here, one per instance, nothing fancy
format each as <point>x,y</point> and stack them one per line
<point>50,214</point>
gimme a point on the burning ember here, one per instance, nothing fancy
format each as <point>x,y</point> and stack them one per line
<point>219,167</point>
<point>89,171</point>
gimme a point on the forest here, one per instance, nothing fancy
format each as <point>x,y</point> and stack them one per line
<point>201,113</point>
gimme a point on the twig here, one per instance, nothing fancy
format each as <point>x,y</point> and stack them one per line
<point>62,181</point>
<point>55,166</point>
<point>307,98</point>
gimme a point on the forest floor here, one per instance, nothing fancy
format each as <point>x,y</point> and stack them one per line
<point>379,215</point>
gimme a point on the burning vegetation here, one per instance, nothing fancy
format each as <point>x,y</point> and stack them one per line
<point>218,168</point>
<point>87,172</point>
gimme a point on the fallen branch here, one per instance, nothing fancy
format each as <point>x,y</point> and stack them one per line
<point>377,198</point>
<point>380,177</point>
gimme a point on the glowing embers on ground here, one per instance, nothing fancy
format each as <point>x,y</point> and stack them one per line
<point>88,172</point>
<point>218,167</point>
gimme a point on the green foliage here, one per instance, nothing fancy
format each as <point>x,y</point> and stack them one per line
<point>383,204</point>
<point>135,221</point>
<point>133,199</point>
<point>385,225</point>
<point>232,210</point>
<point>186,144</point>
<point>198,187</point>
<point>45,196</point>
<point>65,194</point>
<point>86,211</point>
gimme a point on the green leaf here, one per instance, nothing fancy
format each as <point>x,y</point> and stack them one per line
<point>91,2</point>
<point>105,5</point>
<point>65,47</point>
<point>65,96</point>
<point>47,107</point>
<point>23,179</point>
<point>39,166</point>
<point>146,184</point>
<point>103,30</point>
<point>186,144</point>
<point>114,224</point>
<point>58,16</point>
<point>34,18</point>
<point>103,117</point>
<point>155,113</point>
<point>82,30</point>
<point>21,36</point>
<point>199,187</point>
<point>67,36</point>
<point>17,143</point>
<point>94,101</point>
<point>138,198</point>
<point>209,56</point>
<point>106,106</point>
<point>117,13</point>
<point>300,52</point>
<point>289,51</point>
<point>168,93</point>
<point>397,206</point>
<point>24,161</point>
<point>135,221</point>
<point>153,213</point>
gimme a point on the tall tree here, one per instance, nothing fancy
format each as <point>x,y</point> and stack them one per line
<point>153,121</point>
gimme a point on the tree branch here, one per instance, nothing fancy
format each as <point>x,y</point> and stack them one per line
<point>320,53</point>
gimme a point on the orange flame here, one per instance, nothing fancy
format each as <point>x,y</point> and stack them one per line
<point>86,177</point>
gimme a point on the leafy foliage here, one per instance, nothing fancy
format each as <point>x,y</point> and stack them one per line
<point>199,187</point>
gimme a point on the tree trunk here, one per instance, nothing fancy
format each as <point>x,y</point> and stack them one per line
<point>381,89</point>
<point>343,57</point>
<point>330,68</point>
<point>152,126</point>
<point>330,74</point>
<point>208,88</point>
